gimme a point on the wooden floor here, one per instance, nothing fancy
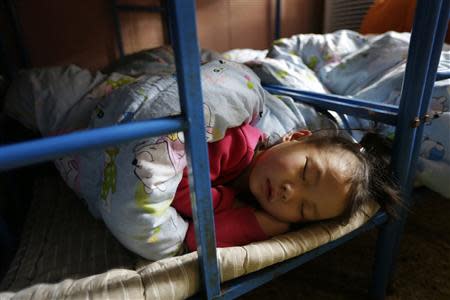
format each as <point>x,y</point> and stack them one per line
<point>423,265</point>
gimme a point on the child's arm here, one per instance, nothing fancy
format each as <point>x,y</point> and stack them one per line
<point>269,225</point>
<point>240,226</point>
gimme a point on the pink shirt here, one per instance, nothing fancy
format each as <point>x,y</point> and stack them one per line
<point>228,158</point>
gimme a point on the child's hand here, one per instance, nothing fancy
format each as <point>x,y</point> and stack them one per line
<point>270,225</point>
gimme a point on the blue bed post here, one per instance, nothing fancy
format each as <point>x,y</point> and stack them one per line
<point>168,20</point>
<point>277,33</point>
<point>117,29</point>
<point>17,27</point>
<point>429,29</point>
<point>187,54</point>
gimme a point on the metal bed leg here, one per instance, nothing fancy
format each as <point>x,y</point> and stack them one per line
<point>24,55</point>
<point>277,34</point>
<point>117,29</point>
<point>427,37</point>
<point>167,20</point>
<point>187,55</point>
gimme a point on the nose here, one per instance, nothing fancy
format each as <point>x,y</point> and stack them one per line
<point>287,190</point>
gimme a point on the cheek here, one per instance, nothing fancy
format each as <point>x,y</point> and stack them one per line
<point>285,213</point>
<point>263,169</point>
<point>272,162</point>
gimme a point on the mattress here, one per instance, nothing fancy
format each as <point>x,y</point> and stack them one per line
<point>65,253</point>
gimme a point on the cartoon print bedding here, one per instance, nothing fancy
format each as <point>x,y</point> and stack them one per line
<point>363,67</point>
<point>131,186</point>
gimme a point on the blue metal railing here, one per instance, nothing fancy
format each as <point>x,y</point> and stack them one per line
<point>187,56</point>
<point>442,75</point>
<point>118,29</point>
<point>26,153</point>
<point>384,113</point>
<point>277,33</point>
<point>18,32</point>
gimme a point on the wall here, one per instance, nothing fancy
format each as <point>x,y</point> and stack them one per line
<point>250,23</point>
<point>82,32</point>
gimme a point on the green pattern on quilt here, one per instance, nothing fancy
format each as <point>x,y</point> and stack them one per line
<point>120,82</point>
<point>281,73</point>
<point>250,84</point>
<point>278,42</point>
<point>143,202</point>
<point>312,63</point>
<point>109,172</point>
<point>141,92</point>
<point>216,133</point>
<point>154,235</point>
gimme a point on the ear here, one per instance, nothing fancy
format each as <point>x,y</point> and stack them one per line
<point>296,135</point>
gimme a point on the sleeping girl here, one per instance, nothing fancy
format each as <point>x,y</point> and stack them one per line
<point>305,177</point>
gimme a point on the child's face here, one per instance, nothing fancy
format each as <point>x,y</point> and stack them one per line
<point>295,182</point>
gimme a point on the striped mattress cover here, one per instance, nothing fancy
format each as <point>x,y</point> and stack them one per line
<point>66,254</point>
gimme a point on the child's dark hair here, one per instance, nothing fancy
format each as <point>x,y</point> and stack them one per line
<point>372,178</point>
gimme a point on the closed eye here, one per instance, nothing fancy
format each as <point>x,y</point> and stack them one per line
<point>304,169</point>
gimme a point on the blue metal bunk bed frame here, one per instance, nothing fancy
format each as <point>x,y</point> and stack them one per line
<point>430,26</point>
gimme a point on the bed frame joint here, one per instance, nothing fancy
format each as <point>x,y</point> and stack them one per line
<point>425,119</point>
<point>415,122</point>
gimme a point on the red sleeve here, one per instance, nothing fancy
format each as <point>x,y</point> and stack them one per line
<point>228,157</point>
<point>234,227</point>
<point>222,197</point>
